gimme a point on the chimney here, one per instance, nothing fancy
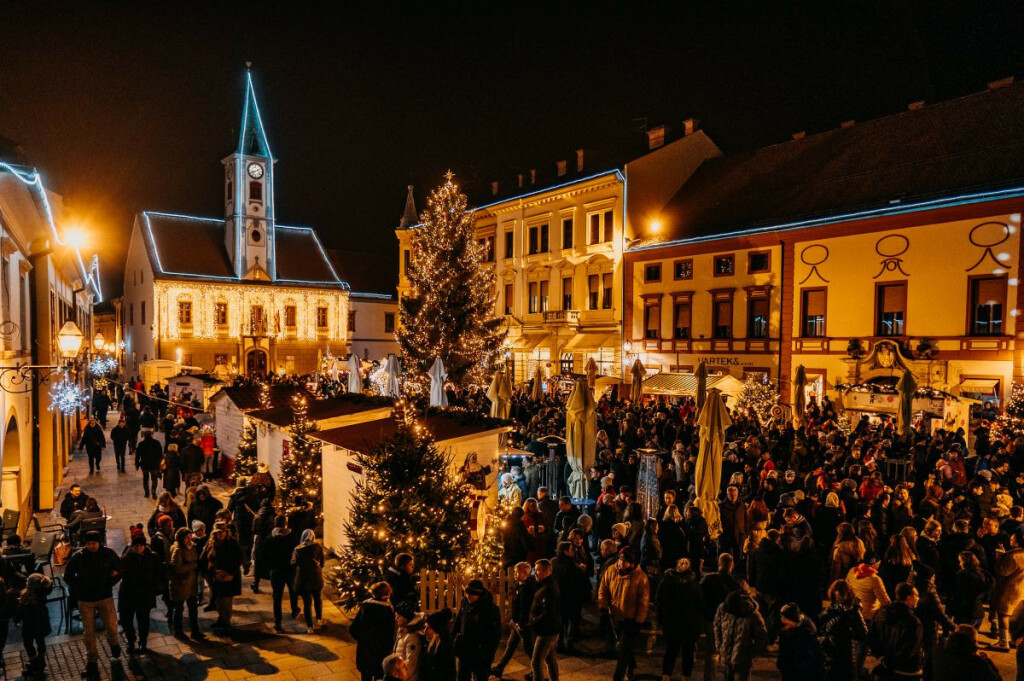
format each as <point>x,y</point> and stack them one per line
<point>800,135</point>
<point>579,160</point>
<point>1002,82</point>
<point>847,124</point>
<point>690,126</point>
<point>914,106</point>
<point>656,137</point>
<point>520,180</point>
<point>533,176</point>
<point>494,188</point>
<point>561,167</point>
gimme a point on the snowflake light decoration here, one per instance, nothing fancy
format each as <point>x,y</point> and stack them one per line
<point>67,397</point>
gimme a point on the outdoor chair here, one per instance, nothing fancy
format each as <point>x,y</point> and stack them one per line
<point>42,550</point>
<point>11,518</point>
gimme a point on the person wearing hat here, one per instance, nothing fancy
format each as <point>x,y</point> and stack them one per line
<point>94,442</point>
<point>204,507</point>
<point>437,662</point>
<point>148,457</point>
<point>867,585</point>
<point>477,632</point>
<point>91,573</point>
<point>35,620</point>
<point>409,638</point>
<point>373,628</point>
<point>799,657</point>
<point>625,595</point>
<point>223,557</point>
<point>142,577</point>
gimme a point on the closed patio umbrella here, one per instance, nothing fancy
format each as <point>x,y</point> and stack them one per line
<point>906,389</point>
<point>538,381</point>
<point>504,397</point>
<point>355,381</point>
<point>394,389</point>
<point>636,388</point>
<point>580,435</point>
<point>713,419</point>
<point>702,385</point>
<point>438,375</point>
<point>494,392</point>
<point>591,372</point>
<point>799,396</point>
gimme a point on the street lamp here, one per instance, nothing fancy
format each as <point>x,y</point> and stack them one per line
<point>98,341</point>
<point>69,340</point>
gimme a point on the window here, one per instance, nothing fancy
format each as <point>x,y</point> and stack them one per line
<point>220,314</point>
<point>509,244</point>
<point>544,296</point>
<point>757,315</point>
<point>721,315</point>
<point>131,314</point>
<point>538,239</point>
<point>725,265</point>
<point>567,293</point>
<point>533,290</point>
<point>892,309</point>
<point>509,293</point>
<point>652,320</point>
<point>321,319</point>
<point>595,228</point>
<point>255,191</point>
<point>289,316</point>
<point>682,269</point>
<point>490,249</point>
<point>230,190</point>
<point>652,273</point>
<point>567,228</point>
<point>593,292</point>
<point>813,304</point>
<point>609,224</point>
<point>606,298</point>
<point>406,260</point>
<point>185,313</point>
<point>988,299</point>
<point>257,320</point>
<point>759,261</point>
<point>142,312</point>
<point>681,318</point>
<point>389,322</point>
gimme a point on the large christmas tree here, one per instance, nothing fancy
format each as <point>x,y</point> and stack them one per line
<point>302,468</point>
<point>409,502</point>
<point>759,394</point>
<point>449,312</point>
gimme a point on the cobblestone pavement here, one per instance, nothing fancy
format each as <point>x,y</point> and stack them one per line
<point>253,650</point>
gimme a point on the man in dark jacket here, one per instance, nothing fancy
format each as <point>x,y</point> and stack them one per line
<point>119,438</point>
<point>402,582</point>
<point>515,540</point>
<point>373,628</point>
<point>74,500</point>
<point>519,626</point>
<point>958,658</point>
<point>192,458</point>
<point>92,573</point>
<point>133,422</point>
<point>548,510</point>
<point>766,577</point>
<point>241,503</point>
<point>545,621</point>
<point>716,586</point>
<point>93,441</point>
<point>224,564</point>
<point>680,611</point>
<point>574,589</point>
<point>142,578</point>
<point>148,457</point>
<point>799,651</point>
<point>204,507</point>
<point>477,633</point>
<point>278,555</point>
<point>896,635</point>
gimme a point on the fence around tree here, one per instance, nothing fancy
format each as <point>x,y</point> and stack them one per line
<point>439,590</point>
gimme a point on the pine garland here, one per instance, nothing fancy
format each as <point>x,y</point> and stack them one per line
<point>302,469</point>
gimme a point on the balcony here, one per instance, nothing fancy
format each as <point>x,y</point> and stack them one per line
<point>567,317</point>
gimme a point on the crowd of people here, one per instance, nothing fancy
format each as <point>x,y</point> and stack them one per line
<point>827,554</point>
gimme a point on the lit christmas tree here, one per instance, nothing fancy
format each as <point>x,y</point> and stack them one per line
<point>245,459</point>
<point>1012,419</point>
<point>759,394</point>
<point>449,312</point>
<point>302,469</point>
<point>485,558</point>
<point>410,503</point>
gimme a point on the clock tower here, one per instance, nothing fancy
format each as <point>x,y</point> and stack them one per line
<point>249,196</point>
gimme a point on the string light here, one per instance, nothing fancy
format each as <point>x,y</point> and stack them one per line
<point>102,365</point>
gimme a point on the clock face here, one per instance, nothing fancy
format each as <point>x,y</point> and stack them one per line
<point>255,171</point>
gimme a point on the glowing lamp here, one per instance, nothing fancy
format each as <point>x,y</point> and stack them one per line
<point>654,226</point>
<point>69,340</point>
<point>98,340</point>
<point>74,237</point>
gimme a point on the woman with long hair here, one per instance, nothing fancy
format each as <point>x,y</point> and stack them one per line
<point>973,585</point>
<point>897,563</point>
<point>842,628</point>
<point>847,551</point>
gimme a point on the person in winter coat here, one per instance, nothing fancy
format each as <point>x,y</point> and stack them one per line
<point>119,438</point>
<point>842,628</point>
<point>931,613</point>
<point>94,442</point>
<point>409,639</point>
<point>262,526</point>
<point>223,556</point>
<point>516,541</point>
<point>574,591</point>
<point>403,584</point>
<point>680,602</point>
<point>74,500</point>
<point>740,635</point>
<point>1009,585</point>
<point>192,458</point>
<point>847,551</point>
<point>804,578</point>
<point>204,507</point>
<point>437,662</point>
<point>172,470</point>
<point>183,589</point>
<point>868,586</point>
<point>957,658</point>
<point>308,562</point>
<point>733,514</point>
<point>799,656</point>
<point>671,537</point>
<point>896,634</point>
<point>166,505</point>
<point>373,628</point>
<point>8,609</point>
<point>477,632</point>
<point>243,511</point>
<point>277,554</point>
<point>625,595</point>
<point>91,573</point>
<point>35,620</point>
<point>971,595</point>
<point>545,621</point>
<point>149,454</point>
<point>142,578</point>
<point>519,624</point>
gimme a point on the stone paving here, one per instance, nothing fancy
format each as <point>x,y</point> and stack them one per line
<point>253,650</point>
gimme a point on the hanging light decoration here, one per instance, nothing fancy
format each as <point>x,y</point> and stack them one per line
<point>67,397</point>
<point>102,365</point>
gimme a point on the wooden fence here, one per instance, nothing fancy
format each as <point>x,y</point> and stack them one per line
<point>440,590</point>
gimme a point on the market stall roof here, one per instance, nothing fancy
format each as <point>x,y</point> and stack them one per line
<point>207,379</point>
<point>984,386</point>
<point>247,398</point>
<point>589,341</point>
<point>318,410</point>
<point>361,436</point>
<point>679,383</point>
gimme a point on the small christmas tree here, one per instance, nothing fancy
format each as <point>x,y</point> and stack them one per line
<point>449,310</point>
<point>485,558</point>
<point>759,394</point>
<point>1011,421</point>
<point>245,459</point>
<point>302,468</point>
<point>409,502</point>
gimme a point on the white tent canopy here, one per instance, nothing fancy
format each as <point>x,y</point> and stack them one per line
<point>685,384</point>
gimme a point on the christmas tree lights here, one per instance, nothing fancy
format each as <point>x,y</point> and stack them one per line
<point>302,468</point>
<point>760,395</point>
<point>449,310</point>
<point>245,458</point>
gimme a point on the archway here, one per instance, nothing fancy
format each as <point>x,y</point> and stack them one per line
<point>256,362</point>
<point>10,490</point>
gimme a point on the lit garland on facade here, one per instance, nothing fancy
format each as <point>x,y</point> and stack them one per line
<point>67,397</point>
<point>240,300</point>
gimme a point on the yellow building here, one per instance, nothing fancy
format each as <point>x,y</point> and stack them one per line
<point>857,252</point>
<point>556,248</point>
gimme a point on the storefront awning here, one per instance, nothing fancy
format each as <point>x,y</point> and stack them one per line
<point>527,341</point>
<point>982,386</point>
<point>589,341</point>
<point>678,383</point>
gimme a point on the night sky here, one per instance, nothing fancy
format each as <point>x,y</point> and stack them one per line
<point>132,108</point>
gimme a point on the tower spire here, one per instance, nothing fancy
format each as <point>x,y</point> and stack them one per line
<point>409,216</point>
<point>252,138</point>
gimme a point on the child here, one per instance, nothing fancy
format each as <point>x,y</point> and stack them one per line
<point>35,620</point>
